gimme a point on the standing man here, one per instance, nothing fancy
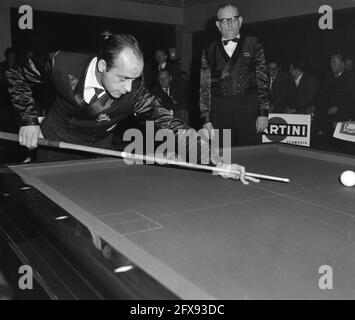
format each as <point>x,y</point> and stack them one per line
<point>279,87</point>
<point>234,86</point>
<point>303,90</point>
<point>171,96</point>
<point>93,94</point>
<point>336,103</point>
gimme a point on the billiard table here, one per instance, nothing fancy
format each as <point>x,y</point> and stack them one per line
<point>169,233</point>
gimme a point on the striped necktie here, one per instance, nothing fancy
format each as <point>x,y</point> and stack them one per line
<point>95,97</point>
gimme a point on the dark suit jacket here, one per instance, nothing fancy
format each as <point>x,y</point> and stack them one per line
<point>175,100</point>
<point>279,91</point>
<point>303,96</point>
<point>244,72</point>
<point>174,71</point>
<point>338,92</point>
<point>70,118</point>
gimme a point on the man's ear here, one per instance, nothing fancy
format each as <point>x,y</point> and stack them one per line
<point>217,25</point>
<point>240,21</point>
<point>101,65</point>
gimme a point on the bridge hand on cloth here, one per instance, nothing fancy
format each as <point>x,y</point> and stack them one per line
<point>235,171</point>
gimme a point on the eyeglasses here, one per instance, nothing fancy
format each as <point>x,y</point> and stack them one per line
<point>232,20</point>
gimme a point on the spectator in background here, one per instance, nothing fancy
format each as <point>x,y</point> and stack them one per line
<point>9,152</point>
<point>336,102</point>
<point>279,87</point>
<point>7,121</point>
<point>10,60</point>
<point>349,66</point>
<point>174,58</point>
<point>303,90</point>
<point>161,57</point>
<point>171,96</point>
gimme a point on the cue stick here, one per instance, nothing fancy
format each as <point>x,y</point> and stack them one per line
<point>126,155</point>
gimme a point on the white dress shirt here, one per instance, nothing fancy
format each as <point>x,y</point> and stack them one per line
<point>297,81</point>
<point>167,90</point>
<point>162,66</point>
<point>91,82</point>
<point>230,47</point>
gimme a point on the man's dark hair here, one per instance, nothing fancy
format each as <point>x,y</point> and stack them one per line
<point>298,65</point>
<point>114,44</point>
<point>164,71</point>
<point>274,62</point>
<point>340,56</point>
<point>226,5</point>
<point>9,51</point>
<point>162,50</point>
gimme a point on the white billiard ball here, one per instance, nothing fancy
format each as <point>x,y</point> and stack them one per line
<point>347,178</point>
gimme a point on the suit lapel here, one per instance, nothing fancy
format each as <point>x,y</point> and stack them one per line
<point>302,81</point>
<point>238,49</point>
<point>78,83</point>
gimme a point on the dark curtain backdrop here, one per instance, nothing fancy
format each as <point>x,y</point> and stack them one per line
<point>71,32</point>
<point>285,40</point>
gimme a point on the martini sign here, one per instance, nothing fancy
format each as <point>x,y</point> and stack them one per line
<point>288,128</point>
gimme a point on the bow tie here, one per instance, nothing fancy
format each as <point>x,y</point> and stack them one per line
<point>225,42</point>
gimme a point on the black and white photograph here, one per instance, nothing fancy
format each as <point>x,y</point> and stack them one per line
<point>178,154</point>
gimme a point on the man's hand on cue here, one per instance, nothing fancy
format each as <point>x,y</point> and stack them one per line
<point>236,172</point>
<point>28,136</point>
